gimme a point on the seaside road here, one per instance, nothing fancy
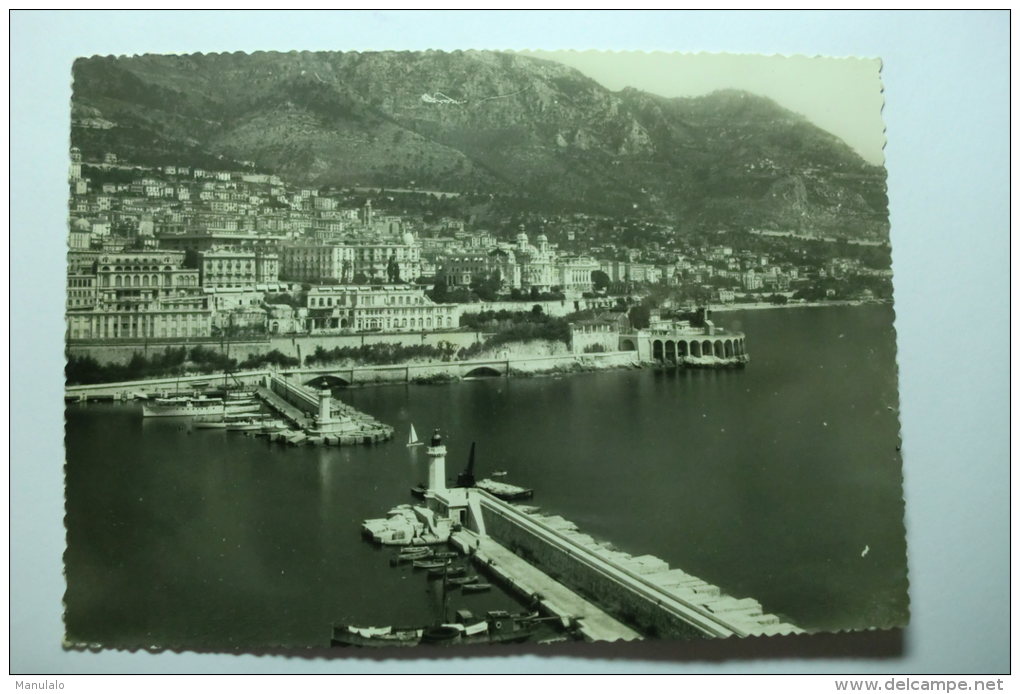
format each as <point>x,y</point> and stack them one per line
<point>595,624</point>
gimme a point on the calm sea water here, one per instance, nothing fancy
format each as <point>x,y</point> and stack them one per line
<point>769,482</point>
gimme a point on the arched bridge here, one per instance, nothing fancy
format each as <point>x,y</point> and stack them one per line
<point>341,377</point>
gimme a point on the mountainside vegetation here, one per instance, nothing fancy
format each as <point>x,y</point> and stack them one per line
<point>500,129</point>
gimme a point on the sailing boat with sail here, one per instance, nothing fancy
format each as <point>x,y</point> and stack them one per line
<point>412,438</point>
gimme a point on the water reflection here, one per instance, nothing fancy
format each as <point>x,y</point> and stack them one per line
<point>762,481</point>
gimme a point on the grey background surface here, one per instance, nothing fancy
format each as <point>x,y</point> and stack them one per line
<point>946,78</point>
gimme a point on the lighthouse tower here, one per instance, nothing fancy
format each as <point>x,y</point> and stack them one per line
<point>437,463</point>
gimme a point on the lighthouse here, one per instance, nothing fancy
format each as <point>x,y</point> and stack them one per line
<point>325,406</point>
<point>437,463</point>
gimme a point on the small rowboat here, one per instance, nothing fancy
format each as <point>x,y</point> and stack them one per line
<point>414,550</point>
<point>451,571</point>
<point>408,558</point>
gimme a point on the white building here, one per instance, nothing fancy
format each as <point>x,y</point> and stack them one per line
<point>388,307</point>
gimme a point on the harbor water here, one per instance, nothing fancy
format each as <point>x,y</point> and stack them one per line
<point>781,481</point>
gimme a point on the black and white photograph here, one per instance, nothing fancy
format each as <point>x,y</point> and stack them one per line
<point>457,348</point>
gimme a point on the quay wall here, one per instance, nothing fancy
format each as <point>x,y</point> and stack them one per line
<point>121,351</point>
<point>405,373</point>
<point>615,597</point>
<point>159,385</point>
<point>299,397</point>
<point>394,373</point>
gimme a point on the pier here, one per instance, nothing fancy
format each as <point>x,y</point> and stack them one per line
<point>315,415</point>
<point>607,594</point>
<point>342,376</point>
<point>643,591</point>
<point>318,417</point>
<point>127,390</point>
<point>552,597</point>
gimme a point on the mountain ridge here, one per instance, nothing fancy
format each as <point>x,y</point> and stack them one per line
<point>486,122</point>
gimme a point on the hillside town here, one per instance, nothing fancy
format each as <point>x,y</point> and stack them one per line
<point>184,252</point>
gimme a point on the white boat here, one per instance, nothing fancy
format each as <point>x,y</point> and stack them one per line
<point>194,406</point>
<point>412,438</point>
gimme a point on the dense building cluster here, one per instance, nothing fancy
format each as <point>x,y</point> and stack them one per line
<point>185,252</point>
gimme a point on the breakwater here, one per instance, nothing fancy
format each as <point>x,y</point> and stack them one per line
<point>318,417</point>
<point>588,578</point>
<point>605,593</point>
<point>643,592</point>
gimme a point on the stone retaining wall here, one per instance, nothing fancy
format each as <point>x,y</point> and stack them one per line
<point>612,596</point>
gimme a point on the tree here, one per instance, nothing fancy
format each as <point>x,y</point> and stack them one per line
<point>600,280</point>
<point>439,292</point>
<point>639,316</point>
<point>487,288</point>
<point>393,270</point>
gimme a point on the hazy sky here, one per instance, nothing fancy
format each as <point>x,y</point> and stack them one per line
<point>840,95</point>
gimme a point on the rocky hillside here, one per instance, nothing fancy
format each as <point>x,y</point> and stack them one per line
<point>492,123</point>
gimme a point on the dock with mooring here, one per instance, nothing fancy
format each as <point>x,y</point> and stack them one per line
<point>318,418</point>
<point>597,591</point>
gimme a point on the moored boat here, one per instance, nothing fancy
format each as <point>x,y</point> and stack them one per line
<point>498,626</point>
<point>411,557</point>
<point>450,571</point>
<point>246,422</point>
<point>376,636</point>
<point>415,550</point>
<point>195,406</point>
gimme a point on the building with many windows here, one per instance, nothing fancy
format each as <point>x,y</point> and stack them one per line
<point>316,263</point>
<point>387,307</point>
<point>461,268</point>
<point>752,281</point>
<point>145,294</point>
<point>384,260</point>
<point>575,273</point>
<point>537,263</point>
<point>390,261</point>
<point>238,268</point>
<point>81,291</point>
